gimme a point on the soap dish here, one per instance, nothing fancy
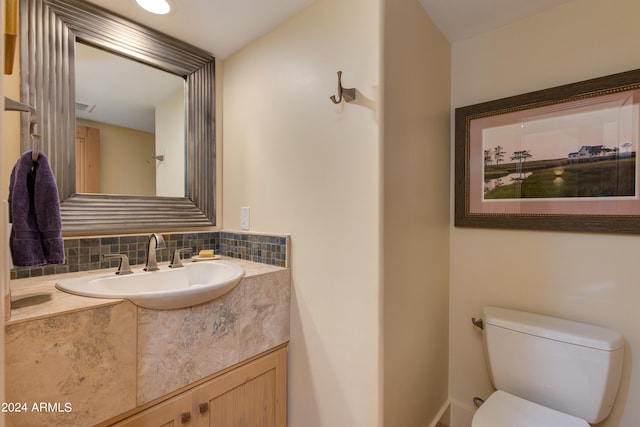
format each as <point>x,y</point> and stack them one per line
<point>197,258</point>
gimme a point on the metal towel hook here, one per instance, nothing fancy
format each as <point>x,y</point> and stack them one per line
<point>349,94</point>
<point>12,105</point>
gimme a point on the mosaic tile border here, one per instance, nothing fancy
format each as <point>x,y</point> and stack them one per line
<point>255,247</point>
<point>85,254</point>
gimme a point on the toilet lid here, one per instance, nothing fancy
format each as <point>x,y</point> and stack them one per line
<point>506,410</point>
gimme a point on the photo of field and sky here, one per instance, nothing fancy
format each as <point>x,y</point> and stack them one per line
<point>584,153</point>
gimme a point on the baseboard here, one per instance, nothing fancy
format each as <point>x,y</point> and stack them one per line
<point>441,412</point>
<point>461,413</point>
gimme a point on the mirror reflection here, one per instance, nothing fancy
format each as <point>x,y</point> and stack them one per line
<point>130,126</point>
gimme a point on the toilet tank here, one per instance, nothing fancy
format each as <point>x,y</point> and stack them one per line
<point>572,367</point>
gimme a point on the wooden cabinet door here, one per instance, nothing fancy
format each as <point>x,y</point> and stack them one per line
<point>87,159</point>
<point>252,395</point>
<point>174,412</point>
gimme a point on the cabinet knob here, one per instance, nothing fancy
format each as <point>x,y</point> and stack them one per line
<point>204,407</point>
<point>185,417</point>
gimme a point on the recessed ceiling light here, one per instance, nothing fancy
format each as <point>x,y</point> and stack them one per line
<point>159,7</point>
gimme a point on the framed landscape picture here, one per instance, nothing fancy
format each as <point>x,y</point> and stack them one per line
<point>563,158</point>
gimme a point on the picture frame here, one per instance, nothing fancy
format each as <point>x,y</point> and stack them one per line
<point>560,159</point>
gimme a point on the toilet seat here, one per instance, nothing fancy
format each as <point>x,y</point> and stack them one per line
<point>502,409</point>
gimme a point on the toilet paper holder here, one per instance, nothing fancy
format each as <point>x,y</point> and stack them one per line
<point>477,323</point>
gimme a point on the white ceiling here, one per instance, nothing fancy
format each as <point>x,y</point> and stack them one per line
<point>221,27</point>
<point>462,19</point>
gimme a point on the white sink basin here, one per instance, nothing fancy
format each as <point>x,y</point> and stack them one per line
<point>168,288</point>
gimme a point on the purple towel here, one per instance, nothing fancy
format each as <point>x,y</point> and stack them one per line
<point>34,210</point>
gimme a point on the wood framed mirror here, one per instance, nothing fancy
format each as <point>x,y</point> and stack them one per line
<point>49,31</point>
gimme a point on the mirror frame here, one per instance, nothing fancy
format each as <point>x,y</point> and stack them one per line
<point>49,31</point>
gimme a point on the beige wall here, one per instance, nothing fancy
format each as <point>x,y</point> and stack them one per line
<point>416,215</point>
<point>585,277</point>
<point>10,147</point>
<point>124,153</point>
<point>310,168</point>
<point>170,141</point>
<point>315,170</point>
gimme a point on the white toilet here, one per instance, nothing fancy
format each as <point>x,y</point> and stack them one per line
<point>548,372</point>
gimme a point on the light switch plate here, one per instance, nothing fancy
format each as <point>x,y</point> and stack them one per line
<point>244,218</point>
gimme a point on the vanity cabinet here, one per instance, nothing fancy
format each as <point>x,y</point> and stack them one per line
<point>251,395</point>
<point>173,412</point>
<point>114,362</point>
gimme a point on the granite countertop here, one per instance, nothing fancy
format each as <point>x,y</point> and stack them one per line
<point>37,297</point>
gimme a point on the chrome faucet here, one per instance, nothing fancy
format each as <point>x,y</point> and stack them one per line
<point>155,242</point>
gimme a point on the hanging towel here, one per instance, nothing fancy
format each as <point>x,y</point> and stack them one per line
<point>34,210</point>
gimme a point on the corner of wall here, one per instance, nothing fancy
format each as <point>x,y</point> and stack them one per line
<point>461,414</point>
<point>416,215</point>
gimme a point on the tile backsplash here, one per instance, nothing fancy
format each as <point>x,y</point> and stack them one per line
<point>84,254</point>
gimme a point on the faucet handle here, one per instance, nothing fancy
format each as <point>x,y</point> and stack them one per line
<point>176,262</point>
<point>123,267</point>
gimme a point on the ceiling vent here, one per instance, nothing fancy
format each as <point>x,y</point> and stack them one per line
<point>86,108</point>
